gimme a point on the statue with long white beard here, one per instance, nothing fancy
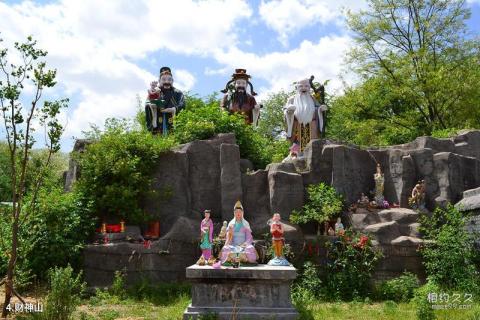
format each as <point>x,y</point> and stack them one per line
<point>304,114</point>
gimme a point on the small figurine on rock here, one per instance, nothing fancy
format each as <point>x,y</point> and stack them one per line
<point>363,202</point>
<point>417,201</point>
<point>276,229</point>
<point>223,232</point>
<point>339,228</point>
<point>206,233</point>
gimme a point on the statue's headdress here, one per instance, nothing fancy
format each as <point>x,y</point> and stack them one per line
<point>239,74</point>
<point>165,70</point>
<point>238,205</point>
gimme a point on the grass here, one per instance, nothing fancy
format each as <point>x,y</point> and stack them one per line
<point>387,310</point>
<point>168,302</point>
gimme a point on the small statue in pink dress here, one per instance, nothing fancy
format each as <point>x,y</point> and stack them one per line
<point>239,247</point>
<point>206,234</point>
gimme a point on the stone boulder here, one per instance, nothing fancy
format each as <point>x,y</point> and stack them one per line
<point>384,232</point>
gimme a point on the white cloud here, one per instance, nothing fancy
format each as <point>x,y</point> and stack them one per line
<point>287,17</point>
<point>322,59</point>
<point>184,80</point>
<point>96,45</point>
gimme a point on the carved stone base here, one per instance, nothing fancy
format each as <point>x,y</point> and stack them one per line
<point>260,292</point>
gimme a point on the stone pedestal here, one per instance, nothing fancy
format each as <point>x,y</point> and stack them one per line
<point>261,292</point>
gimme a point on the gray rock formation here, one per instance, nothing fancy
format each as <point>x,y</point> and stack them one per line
<point>73,172</point>
<point>395,233</point>
<point>209,174</point>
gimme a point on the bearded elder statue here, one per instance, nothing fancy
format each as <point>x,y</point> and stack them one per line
<point>164,101</point>
<point>238,100</point>
<point>305,113</point>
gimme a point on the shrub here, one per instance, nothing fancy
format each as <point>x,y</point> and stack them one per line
<point>55,233</point>
<point>351,261</point>
<point>322,205</point>
<point>309,282</point>
<point>450,255</point>
<point>116,170</point>
<point>203,119</point>
<point>64,295</point>
<point>423,307</point>
<point>118,286</point>
<point>400,289</point>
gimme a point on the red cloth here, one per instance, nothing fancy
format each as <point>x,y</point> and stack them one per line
<point>277,233</point>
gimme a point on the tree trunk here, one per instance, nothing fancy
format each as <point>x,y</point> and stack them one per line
<point>10,269</point>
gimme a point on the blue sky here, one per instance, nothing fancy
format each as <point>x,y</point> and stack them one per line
<point>107,52</point>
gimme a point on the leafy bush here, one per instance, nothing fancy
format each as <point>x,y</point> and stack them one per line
<point>400,289</point>
<point>118,286</point>
<point>116,170</point>
<point>450,256</point>
<point>203,119</point>
<point>322,205</point>
<point>309,281</point>
<point>55,233</point>
<point>423,307</point>
<point>64,295</point>
<point>351,261</point>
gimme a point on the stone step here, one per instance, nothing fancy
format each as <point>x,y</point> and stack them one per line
<point>406,241</point>
<point>401,215</point>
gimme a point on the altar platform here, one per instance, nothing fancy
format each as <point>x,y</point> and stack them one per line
<point>259,292</point>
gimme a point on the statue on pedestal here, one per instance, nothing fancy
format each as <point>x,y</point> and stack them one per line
<point>379,186</point>
<point>238,248</point>
<point>163,102</point>
<point>206,233</point>
<point>238,100</point>
<point>305,113</point>
<point>276,229</point>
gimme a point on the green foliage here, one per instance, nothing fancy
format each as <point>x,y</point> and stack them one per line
<point>400,289</point>
<point>423,307</point>
<point>117,170</point>
<point>351,262</point>
<point>323,204</point>
<point>373,114</point>
<point>64,295</point>
<point>55,233</point>
<point>272,122</point>
<point>418,73</point>
<point>203,119</point>
<point>5,174</point>
<point>160,294</point>
<point>450,256</point>
<point>308,284</point>
<point>118,286</point>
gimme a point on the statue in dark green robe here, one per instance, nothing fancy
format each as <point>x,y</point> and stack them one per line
<point>163,103</point>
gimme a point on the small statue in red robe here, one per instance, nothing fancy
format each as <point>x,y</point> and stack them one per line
<point>277,231</point>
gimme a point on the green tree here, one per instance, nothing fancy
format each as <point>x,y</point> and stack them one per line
<point>272,122</point>
<point>322,205</point>
<point>19,118</point>
<point>117,169</point>
<point>5,176</point>
<point>450,257</point>
<point>418,66</point>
